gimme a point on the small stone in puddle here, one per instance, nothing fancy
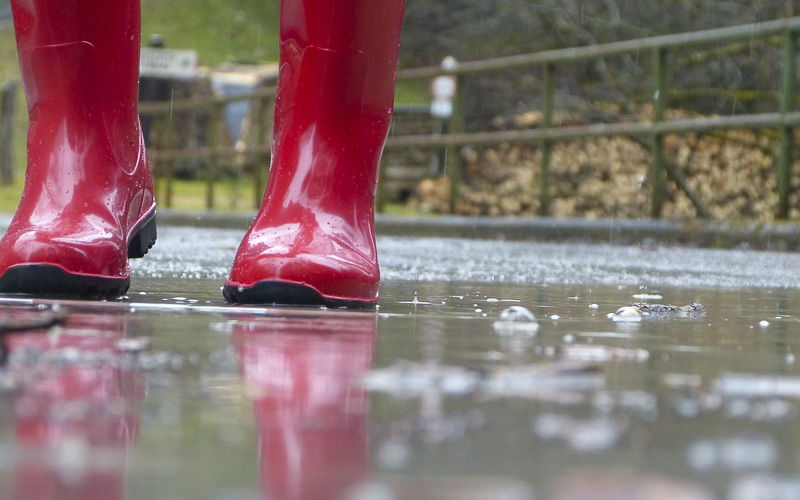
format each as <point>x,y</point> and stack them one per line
<point>628,314</point>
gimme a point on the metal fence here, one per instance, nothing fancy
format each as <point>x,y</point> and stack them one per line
<point>784,120</point>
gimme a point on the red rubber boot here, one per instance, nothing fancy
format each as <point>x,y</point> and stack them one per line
<point>88,199</point>
<point>313,241</point>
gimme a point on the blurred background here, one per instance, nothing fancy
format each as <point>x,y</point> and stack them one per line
<point>206,106</point>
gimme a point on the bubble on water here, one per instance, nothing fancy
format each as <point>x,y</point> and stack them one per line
<point>517,313</point>
<point>763,323</point>
<point>594,306</point>
<point>516,320</point>
<point>555,317</point>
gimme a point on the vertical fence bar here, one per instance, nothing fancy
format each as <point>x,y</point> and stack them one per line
<point>547,145</point>
<point>453,165</point>
<point>8,94</point>
<point>788,96</point>
<point>262,138</point>
<point>657,167</point>
<point>213,127</point>
<point>171,145</point>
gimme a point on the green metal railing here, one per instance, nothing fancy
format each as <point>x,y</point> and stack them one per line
<point>785,120</point>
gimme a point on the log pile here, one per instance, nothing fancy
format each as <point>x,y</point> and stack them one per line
<point>730,173</point>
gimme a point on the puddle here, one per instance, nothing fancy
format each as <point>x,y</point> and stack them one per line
<point>169,393</point>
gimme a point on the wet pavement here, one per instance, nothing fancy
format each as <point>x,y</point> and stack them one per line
<point>169,393</point>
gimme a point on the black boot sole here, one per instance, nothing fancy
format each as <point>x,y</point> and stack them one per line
<point>44,280</point>
<point>278,293</point>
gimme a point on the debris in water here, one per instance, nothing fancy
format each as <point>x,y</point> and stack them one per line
<point>659,311</point>
<point>516,320</point>
<point>635,312</point>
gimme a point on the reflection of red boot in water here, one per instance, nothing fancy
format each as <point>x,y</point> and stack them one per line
<point>88,200</point>
<point>76,418</point>
<point>310,411</point>
<point>313,242</point>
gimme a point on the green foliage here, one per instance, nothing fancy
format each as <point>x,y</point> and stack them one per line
<point>244,31</point>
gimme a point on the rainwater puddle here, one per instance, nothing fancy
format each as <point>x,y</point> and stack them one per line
<point>172,394</point>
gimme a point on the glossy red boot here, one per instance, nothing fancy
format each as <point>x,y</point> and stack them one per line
<point>88,200</point>
<point>313,241</point>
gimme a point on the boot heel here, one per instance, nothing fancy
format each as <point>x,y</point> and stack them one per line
<point>143,237</point>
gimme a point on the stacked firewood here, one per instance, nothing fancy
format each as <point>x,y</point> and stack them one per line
<point>726,175</point>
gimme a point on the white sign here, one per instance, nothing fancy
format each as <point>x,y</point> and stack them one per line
<point>444,87</point>
<point>167,63</point>
<point>441,108</point>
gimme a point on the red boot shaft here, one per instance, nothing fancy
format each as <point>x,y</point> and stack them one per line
<point>88,197</point>
<point>313,241</point>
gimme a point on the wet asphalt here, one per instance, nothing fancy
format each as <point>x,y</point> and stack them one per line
<point>538,251</point>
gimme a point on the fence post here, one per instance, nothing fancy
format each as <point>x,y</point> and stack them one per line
<point>262,138</point>
<point>214,124</point>
<point>171,144</point>
<point>788,95</point>
<point>657,167</point>
<point>547,144</point>
<point>8,94</point>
